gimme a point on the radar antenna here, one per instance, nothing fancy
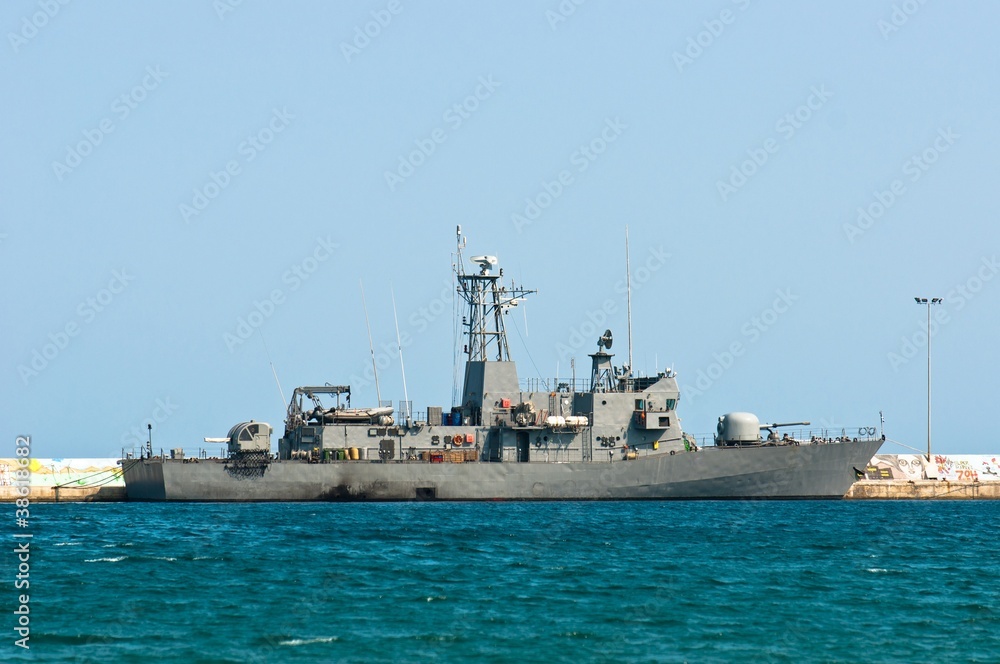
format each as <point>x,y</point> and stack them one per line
<point>486,263</point>
<point>602,374</point>
<point>605,340</point>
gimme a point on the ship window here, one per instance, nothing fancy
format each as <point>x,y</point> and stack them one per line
<point>671,404</point>
<point>664,421</point>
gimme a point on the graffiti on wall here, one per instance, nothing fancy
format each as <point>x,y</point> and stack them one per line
<point>952,467</point>
<point>65,472</point>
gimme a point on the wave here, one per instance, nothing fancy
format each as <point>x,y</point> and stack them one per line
<point>305,642</point>
<point>105,560</point>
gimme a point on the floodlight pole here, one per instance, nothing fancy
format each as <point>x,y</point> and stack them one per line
<point>928,302</point>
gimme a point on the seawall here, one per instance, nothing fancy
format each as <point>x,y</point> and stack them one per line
<point>923,490</point>
<point>48,494</point>
<point>61,480</point>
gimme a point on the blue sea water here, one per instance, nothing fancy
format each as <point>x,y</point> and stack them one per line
<point>512,582</point>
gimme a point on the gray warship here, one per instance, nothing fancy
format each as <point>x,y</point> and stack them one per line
<point>616,436</point>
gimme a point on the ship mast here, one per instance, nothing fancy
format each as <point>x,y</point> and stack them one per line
<point>487,300</point>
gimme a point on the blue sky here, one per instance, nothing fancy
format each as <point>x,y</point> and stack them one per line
<point>185,182</point>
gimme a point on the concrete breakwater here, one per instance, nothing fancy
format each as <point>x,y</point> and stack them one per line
<point>61,480</point>
<point>50,494</point>
<point>923,490</point>
<point>939,477</point>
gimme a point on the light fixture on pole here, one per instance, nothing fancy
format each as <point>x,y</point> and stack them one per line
<point>928,302</point>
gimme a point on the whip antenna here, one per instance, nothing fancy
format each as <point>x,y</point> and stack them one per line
<point>399,344</point>
<point>273,372</point>
<point>371,346</point>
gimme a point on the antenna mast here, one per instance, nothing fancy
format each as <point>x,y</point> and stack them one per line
<point>399,344</point>
<point>459,271</point>
<point>273,372</point>
<point>487,301</point>
<point>628,281</point>
<point>371,346</point>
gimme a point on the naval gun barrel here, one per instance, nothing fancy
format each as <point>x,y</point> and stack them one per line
<point>783,424</point>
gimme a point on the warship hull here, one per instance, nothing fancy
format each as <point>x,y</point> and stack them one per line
<point>808,471</point>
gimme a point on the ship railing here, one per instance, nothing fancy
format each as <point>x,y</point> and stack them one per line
<point>176,453</point>
<point>634,384</point>
<point>804,436</point>
<point>554,385</point>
